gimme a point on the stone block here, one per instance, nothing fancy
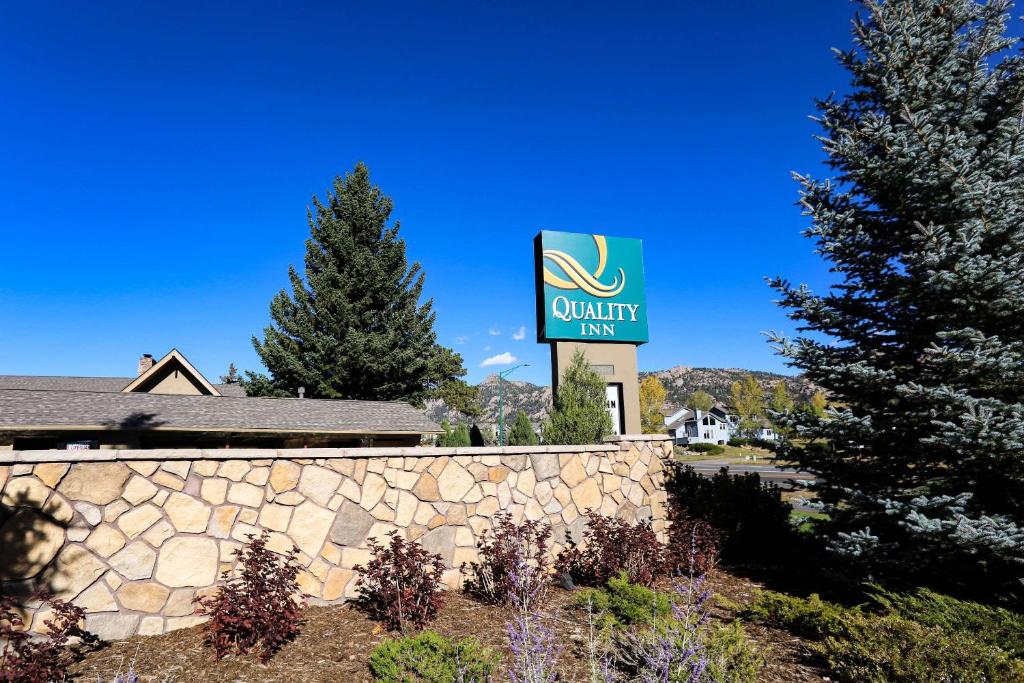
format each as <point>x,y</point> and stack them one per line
<point>158,533</point>
<point>284,476</point>
<point>74,570</point>
<point>234,470</point>
<point>310,526</point>
<point>246,494</point>
<point>90,513</point>
<point>337,580</point>
<point>135,561</point>
<point>97,598</point>
<point>351,525</point>
<point>187,514</point>
<point>29,542</point>
<point>25,491</point>
<point>374,487</point>
<point>426,488</point>
<point>111,626</point>
<point>440,541</point>
<point>187,561</point>
<point>214,491</point>
<point>179,468</point>
<point>105,540</point>
<point>135,522</point>
<point>94,482</point>
<point>318,483</point>
<point>454,482</point>
<point>275,517</point>
<point>139,490</point>
<point>143,597</point>
<point>573,472</point>
<point>544,465</point>
<point>151,626</point>
<point>50,473</point>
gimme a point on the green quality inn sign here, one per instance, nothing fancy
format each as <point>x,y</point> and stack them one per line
<point>589,288</point>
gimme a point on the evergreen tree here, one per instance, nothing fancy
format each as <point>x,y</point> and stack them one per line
<point>456,437</point>
<point>748,400</point>
<point>652,399</point>
<point>580,414</point>
<point>458,395</point>
<point>232,375</point>
<point>522,433</point>
<point>702,401</point>
<point>920,344</point>
<point>354,327</point>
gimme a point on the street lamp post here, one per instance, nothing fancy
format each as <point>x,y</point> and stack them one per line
<point>501,400</point>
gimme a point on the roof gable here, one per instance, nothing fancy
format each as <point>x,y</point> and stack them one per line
<point>172,374</point>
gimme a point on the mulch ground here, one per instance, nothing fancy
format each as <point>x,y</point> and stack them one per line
<point>335,643</point>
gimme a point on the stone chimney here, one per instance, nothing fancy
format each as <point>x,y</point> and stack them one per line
<point>145,363</point>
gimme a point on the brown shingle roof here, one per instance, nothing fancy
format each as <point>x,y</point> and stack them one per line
<point>77,408</point>
<point>100,384</point>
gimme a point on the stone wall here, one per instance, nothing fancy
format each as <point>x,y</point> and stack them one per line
<point>134,536</point>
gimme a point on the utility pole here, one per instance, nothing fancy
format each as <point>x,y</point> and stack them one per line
<point>501,400</point>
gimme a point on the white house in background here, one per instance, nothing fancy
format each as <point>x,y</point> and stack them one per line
<point>687,426</point>
<point>716,426</point>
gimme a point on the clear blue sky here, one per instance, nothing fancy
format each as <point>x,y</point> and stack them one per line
<point>156,161</point>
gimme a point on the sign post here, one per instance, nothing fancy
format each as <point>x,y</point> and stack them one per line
<point>590,297</point>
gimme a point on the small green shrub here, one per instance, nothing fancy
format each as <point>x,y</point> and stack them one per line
<point>891,649</point>
<point>731,657</point>
<point>992,625</point>
<point>431,658</point>
<point>739,441</point>
<point>811,618</point>
<point>709,448</point>
<point>866,647</point>
<point>625,603</point>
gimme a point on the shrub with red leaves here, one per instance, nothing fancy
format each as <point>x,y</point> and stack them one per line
<point>28,659</point>
<point>514,563</point>
<point>610,546</point>
<point>693,545</point>
<point>401,585</point>
<point>259,609</point>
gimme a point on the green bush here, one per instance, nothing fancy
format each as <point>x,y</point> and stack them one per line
<point>812,618</point>
<point>731,657</point>
<point>891,649</point>
<point>739,441</point>
<point>431,658</point>
<point>709,448</point>
<point>992,625</point>
<point>867,647</point>
<point>624,603</point>
<point>752,515</point>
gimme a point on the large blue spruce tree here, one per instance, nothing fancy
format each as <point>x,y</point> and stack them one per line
<point>920,343</point>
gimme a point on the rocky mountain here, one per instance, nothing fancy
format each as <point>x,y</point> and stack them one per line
<point>680,382</point>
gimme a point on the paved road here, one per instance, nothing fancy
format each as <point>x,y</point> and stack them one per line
<point>783,477</point>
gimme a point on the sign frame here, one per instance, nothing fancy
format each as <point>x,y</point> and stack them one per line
<point>589,288</point>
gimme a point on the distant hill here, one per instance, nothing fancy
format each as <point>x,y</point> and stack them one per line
<point>680,382</point>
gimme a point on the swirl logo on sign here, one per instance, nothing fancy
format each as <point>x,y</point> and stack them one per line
<point>578,277</point>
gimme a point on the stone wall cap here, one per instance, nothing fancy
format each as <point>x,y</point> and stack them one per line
<point>162,454</point>
<point>618,438</point>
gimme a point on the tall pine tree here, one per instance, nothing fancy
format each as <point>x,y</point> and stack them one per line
<point>354,326</point>
<point>920,344</point>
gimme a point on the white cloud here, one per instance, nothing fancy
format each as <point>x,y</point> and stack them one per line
<point>520,334</point>
<point>461,340</point>
<point>487,348</point>
<point>494,331</point>
<point>501,359</point>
